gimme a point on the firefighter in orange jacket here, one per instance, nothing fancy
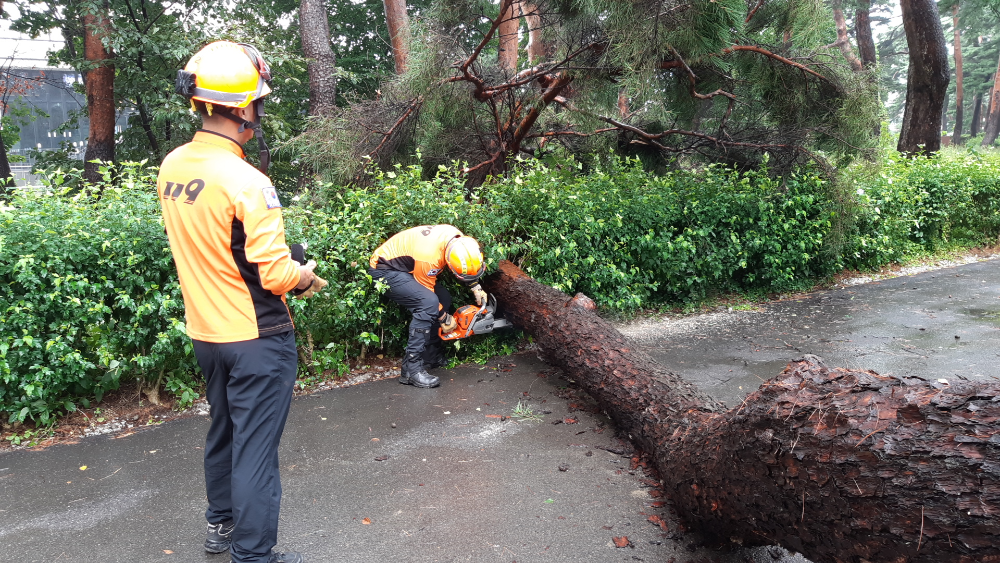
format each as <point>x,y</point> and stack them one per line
<point>410,262</point>
<point>224,224</point>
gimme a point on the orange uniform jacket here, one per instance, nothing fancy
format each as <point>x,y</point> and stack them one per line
<point>419,251</point>
<point>223,220</point>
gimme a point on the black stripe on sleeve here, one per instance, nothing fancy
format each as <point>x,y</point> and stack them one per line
<point>272,314</point>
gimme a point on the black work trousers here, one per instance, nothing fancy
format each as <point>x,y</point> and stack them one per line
<point>423,346</point>
<point>249,388</point>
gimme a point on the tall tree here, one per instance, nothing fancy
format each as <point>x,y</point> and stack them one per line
<point>6,174</point>
<point>843,40</point>
<point>6,83</point>
<point>927,80</point>
<point>977,116</point>
<point>863,34</point>
<point>314,28</point>
<point>536,49</point>
<point>956,137</point>
<point>99,81</point>
<point>992,129</point>
<point>398,22</point>
<point>507,31</point>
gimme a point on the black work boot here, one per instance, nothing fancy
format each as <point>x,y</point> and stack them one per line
<point>218,537</point>
<point>412,372</point>
<point>288,557</point>
<point>418,378</point>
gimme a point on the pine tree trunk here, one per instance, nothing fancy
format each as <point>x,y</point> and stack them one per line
<point>866,45</point>
<point>977,115</point>
<point>536,49</point>
<point>840,465</point>
<point>992,128</point>
<point>863,34</point>
<point>398,23</point>
<point>956,137</point>
<point>944,113</point>
<point>314,29</point>
<point>927,80</point>
<point>843,42</point>
<point>100,87</point>
<point>507,33</point>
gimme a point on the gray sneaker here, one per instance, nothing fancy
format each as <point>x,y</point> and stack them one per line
<point>218,537</point>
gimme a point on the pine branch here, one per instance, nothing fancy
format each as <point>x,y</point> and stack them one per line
<point>415,104</point>
<point>753,11</point>
<point>717,142</point>
<point>769,54</point>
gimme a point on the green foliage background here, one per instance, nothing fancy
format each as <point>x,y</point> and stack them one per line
<point>88,291</point>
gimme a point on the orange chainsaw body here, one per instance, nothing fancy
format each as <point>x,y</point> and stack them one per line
<point>474,320</point>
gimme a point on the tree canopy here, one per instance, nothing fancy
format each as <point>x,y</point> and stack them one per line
<point>716,80</point>
<point>488,81</point>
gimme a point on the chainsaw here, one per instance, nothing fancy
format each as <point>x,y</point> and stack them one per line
<point>472,319</point>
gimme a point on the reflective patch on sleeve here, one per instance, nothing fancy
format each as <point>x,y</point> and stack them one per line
<point>432,273</point>
<point>271,198</point>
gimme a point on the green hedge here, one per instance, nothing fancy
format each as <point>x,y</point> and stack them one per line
<point>87,297</point>
<point>906,207</point>
<point>88,293</point>
<point>629,239</point>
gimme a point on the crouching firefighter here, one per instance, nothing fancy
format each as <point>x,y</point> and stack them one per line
<point>409,263</point>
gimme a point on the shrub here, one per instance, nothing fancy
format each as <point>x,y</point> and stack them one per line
<point>912,206</point>
<point>88,296</point>
<point>629,239</point>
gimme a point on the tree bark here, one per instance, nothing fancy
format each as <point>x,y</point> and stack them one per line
<point>944,114</point>
<point>992,128</point>
<point>956,137</point>
<point>536,48</point>
<point>866,44</point>
<point>977,115</point>
<point>100,87</point>
<point>314,29</point>
<point>927,81</point>
<point>863,34</point>
<point>507,32</point>
<point>843,42</point>
<point>399,32</point>
<point>840,465</point>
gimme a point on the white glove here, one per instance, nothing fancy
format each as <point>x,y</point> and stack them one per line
<point>448,324</point>
<point>317,285</point>
<point>479,294</point>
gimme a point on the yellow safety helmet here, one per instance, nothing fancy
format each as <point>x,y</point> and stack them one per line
<point>225,73</point>
<point>464,259</point>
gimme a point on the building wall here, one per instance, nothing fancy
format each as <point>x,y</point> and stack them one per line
<point>55,97</point>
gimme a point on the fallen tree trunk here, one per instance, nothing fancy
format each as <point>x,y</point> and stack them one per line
<point>839,465</point>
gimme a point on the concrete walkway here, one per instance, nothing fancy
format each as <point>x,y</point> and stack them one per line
<point>384,472</point>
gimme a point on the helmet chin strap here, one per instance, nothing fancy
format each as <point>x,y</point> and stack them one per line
<point>258,132</point>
